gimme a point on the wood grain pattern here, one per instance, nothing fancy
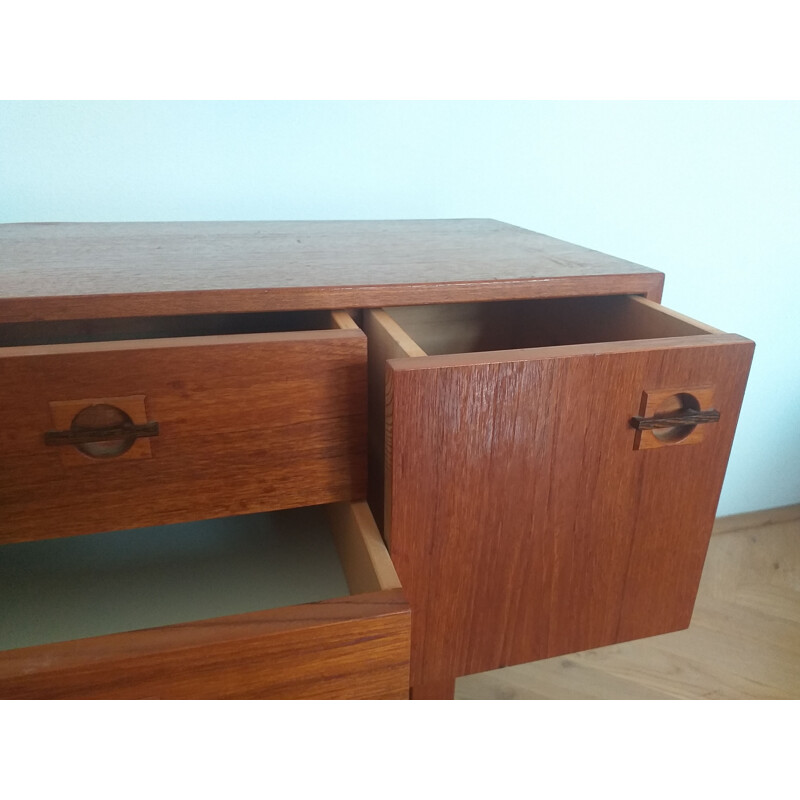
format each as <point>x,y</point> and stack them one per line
<point>353,648</point>
<point>248,423</point>
<point>74,271</point>
<point>435,690</point>
<point>523,524</point>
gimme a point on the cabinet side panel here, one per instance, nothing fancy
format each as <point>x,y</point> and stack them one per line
<point>523,523</point>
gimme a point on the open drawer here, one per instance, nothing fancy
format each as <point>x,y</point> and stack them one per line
<point>292,604</point>
<point>553,469</point>
<point>148,421</point>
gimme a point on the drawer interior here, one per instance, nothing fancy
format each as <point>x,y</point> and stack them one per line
<point>509,325</point>
<point>19,334</point>
<point>99,584</point>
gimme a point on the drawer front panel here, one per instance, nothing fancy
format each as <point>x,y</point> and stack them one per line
<point>522,519</point>
<point>355,648</point>
<point>244,423</point>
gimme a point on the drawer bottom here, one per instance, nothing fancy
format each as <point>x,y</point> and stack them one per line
<point>105,583</point>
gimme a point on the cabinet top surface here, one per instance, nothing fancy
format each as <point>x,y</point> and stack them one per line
<point>68,269</point>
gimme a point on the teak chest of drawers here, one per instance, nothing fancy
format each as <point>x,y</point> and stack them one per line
<point>449,446</point>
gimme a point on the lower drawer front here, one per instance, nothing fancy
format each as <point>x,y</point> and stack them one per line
<point>220,587</point>
<point>230,425</point>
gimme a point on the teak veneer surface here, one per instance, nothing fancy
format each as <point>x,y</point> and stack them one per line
<point>351,648</point>
<point>75,270</point>
<point>247,423</point>
<point>522,522</point>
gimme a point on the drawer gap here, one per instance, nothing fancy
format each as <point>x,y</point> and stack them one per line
<point>19,334</point>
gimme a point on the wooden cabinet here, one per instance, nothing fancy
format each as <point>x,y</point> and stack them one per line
<point>546,443</point>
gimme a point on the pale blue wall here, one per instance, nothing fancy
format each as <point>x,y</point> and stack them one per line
<point>708,193</point>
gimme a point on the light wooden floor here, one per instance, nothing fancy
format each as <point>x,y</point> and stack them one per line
<point>744,640</point>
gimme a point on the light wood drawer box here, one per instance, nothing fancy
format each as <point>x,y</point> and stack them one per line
<point>178,611</point>
<point>254,412</point>
<point>510,436</point>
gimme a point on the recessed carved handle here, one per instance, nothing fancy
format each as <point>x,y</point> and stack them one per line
<point>686,417</point>
<point>110,434</point>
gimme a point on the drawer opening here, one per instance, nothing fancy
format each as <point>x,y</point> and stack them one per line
<point>73,588</point>
<point>19,334</point>
<point>511,325</point>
